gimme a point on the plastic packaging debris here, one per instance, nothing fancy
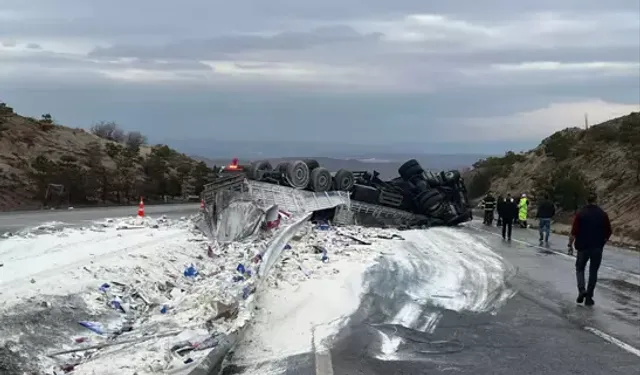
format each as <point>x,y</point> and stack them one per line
<point>116,303</point>
<point>208,343</point>
<point>104,287</point>
<point>287,247</point>
<point>247,290</point>
<point>325,257</point>
<point>237,278</point>
<point>93,326</point>
<point>80,340</point>
<point>164,309</point>
<point>240,268</point>
<point>323,226</point>
<point>190,271</point>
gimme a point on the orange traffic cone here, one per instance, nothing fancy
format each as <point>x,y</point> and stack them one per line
<point>141,208</point>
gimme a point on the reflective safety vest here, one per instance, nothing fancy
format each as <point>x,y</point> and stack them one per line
<point>522,209</point>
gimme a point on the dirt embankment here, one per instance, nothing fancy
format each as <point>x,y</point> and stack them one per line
<point>568,165</point>
<point>46,164</point>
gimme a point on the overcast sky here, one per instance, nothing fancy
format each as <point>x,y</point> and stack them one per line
<point>489,73</point>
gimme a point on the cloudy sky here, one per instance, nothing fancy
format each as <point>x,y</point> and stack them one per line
<point>472,75</point>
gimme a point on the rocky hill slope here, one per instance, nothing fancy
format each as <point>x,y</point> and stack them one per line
<point>45,164</point>
<point>604,158</point>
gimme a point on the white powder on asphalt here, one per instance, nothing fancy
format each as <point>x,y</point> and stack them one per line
<point>290,313</point>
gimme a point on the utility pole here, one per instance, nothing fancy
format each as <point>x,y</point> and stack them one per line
<point>586,121</point>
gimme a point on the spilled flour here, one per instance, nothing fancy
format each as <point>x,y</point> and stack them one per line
<point>297,314</point>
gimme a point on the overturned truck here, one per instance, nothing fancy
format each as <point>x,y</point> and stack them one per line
<point>415,197</point>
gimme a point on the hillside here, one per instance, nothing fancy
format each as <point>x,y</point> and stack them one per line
<point>45,164</point>
<point>604,158</point>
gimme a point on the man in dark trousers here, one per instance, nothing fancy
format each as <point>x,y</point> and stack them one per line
<point>489,205</point>
<point>499,206</point>
<point>509,213</point>
<point>546,211</point>
<point>590,232</point>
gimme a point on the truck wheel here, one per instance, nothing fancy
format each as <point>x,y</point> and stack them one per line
<point>258,168</point>
<point>343,180</point>
<point>311,163</point>
<point>450,177</point>
<point>297,174</point>
<point>429,201</point>
<point>320,180</point>
<point>410,169</point>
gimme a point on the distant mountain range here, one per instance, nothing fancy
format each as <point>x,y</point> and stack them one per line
<point>387,165</point>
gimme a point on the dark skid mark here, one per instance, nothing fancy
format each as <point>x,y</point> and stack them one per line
<point>622,285</point>
<point>546,252</point>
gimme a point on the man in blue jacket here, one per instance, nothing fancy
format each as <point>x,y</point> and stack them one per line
<point>590,232</point>
<point>546,211</point>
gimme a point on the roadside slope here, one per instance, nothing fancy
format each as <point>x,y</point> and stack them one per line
<point>604,158</point>
<point>38,154</point>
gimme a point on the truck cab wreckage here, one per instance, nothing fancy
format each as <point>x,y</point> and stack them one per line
<point>415,198</point>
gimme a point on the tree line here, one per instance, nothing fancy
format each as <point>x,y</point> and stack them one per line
<point>117,171</point>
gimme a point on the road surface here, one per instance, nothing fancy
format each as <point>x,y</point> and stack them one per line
<point>15,221</point>
<point>539,330</point>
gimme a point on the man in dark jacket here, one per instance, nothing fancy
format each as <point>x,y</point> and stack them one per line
<point>489,205</point>
<point>590,232</point>
<point>499,208</point>
<point>509,214</point>
<point>546,211</point>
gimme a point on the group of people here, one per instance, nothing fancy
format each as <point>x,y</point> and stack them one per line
<point>590,231</point>
<point>508,212</point>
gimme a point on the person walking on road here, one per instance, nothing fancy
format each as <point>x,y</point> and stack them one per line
<point>523,207</point>
<point>546,211</point>
<point>590,231</point>
<point>499,206</point>
<point>509,214</point>
<point>489,205</point>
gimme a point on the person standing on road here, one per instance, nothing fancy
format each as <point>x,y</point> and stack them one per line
<point>489,205</point>
<point>546,211</point>
<point>523,207</point>
<point>590,231</point>
<point>499,207</point>
<point>509,215</point>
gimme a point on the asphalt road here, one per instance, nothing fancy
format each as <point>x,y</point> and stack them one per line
<point>541,330</point>
<point>15,221</point>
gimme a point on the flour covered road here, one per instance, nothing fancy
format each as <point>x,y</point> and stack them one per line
<point>17,221</point>
<point>441,301</point>
<point>118,297</point>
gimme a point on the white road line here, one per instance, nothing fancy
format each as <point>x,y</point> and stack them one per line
<point>634,278</point>
<point>324,366</point>
<point>613,340</point>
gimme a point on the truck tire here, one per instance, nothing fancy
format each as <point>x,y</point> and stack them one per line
<point>410,169</point>
<point>321,180</point>
<point>366,194</point>
<point>297,174</point>
<point>311,163</point>
<point>343,180</point>
<point>450,177</point>
<point>257,169</point>
<point>430,201</point>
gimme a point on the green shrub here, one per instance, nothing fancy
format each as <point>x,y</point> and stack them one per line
<point>567,186</point>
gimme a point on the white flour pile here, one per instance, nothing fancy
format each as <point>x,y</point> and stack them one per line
<point>50,282</point>
<point>296,307</point>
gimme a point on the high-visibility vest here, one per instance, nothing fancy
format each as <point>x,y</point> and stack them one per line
<point>522,209</point>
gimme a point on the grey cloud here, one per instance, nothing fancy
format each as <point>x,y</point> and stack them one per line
<point>9,43</point>
<point>219,47</point>
<point>77,93</point>
<point>35,46</point>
